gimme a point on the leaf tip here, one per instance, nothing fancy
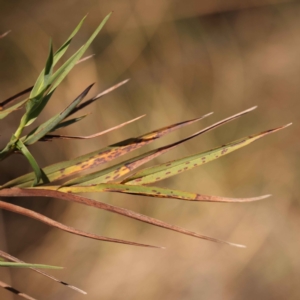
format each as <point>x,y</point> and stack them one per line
<point>209,114</point>
<point>251,108</point>
<point>266,196</point>
<point>238,245</point>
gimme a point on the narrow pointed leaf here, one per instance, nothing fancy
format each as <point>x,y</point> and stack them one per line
<point>39,174</point>
<point>63,71</point>
<point>84,59</point>
<point>25,265</point>
<point>151,191</point>
<point>37,100</point>
<point>49,66</point>
<point>28,90</point>
<point>100,95</point>
<point>12,258</point>
<point>78,137</point>
<point>34,113</point>
<point>14,97</point>
<point>96,158</point>
<point>15,291</point>
<point>122,169</point>
<point>166,170</point>
<point>58,54</point>
<point>5,112</point>
<point>67,123</point>
<point>30,192</point>
<point>34,215</point>
<point>49,125</point>
<point>115,172</point>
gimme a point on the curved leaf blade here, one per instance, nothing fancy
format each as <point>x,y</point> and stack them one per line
<point>151,191</point>
<point>34,215</point>
<point>39,174</point>
<point>35,192</point>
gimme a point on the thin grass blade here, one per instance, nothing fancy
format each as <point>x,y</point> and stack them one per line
<point>63,71</point>
<point>58,54</point>
<point>25,265</point>
<point>63,169</point>
<point>122,169</point>
<point>100,95</point>
<point>166,170</point>
<point>15,291</point>
<point>66,124</point>
<point>5,112</point>
<point>39,174</point>
<point>14,97</point>
<point>34,215</point>
<point>30,192</point>
<point>48,126</point>
<point>78,137</point>
<point>151,191</point>
<point>12,258</point>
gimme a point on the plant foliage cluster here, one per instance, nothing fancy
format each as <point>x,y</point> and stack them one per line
<point>121,178</point>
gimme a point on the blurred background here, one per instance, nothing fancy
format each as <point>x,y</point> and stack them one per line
<point>185,59</point>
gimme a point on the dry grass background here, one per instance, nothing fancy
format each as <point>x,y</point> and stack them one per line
<point>185,59</point>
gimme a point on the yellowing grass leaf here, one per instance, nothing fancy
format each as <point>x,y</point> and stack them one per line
<point>151,191</point>
<point>67,168</point>
<point>163,171</point>
<point>120,170</point>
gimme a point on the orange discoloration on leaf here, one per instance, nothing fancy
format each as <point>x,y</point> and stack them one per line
<point>96,158</point>
<point>169,169</point>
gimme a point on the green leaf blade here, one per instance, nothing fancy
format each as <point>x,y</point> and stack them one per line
<point>57,56</point>
<point>26,265</point>
<point>39,174</point>
<point>63,71</point>
<point>49,125</point>
<point>5,112</point>
<point>166,170</point>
